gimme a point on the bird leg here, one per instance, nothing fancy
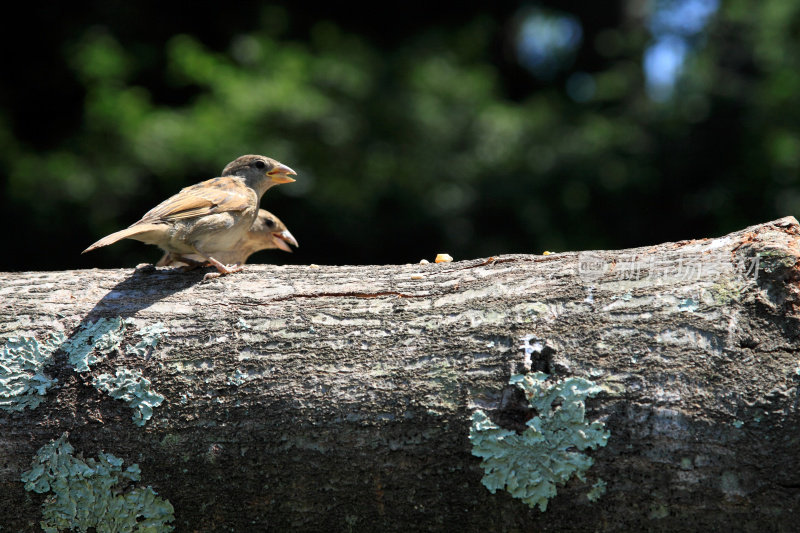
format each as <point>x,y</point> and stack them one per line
<point>190,264</point>
<point>223,269</point>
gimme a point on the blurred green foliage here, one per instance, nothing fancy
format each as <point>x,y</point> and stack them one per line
<point>432,141</point>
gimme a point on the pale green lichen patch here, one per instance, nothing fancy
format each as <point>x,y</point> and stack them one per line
<point>598,489</point>
<point>548,452</point>
<point>92,494</point>
<point>23,382</point>
<point>93,341</point>
<point>151,336</point>
<point>238,378</point>
<point>130,386</point>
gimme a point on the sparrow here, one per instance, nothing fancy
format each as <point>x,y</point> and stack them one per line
<point>208,219</point>
<point>267,232</point>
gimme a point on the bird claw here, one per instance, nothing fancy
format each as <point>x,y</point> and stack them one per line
<point>224,269</point>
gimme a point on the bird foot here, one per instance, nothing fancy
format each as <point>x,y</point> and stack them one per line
<point>224,269</point>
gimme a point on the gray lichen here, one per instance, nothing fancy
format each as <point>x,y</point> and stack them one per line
<point>237,378</point>
<point>130,386</point>
<point>93,341</point>
<point>23,382</point>
<point>548,452</point>
<point>92,494</point>
<point>598,489</point>
<point>151,336</point>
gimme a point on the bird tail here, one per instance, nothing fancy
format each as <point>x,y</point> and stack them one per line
<point>126,233</point>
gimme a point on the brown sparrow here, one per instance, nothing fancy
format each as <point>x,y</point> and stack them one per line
<point>209,218</point>
<point>267,232</point>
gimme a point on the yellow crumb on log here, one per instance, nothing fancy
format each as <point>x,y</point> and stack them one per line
<point>443,258</point>
<point>312,265</point>
<point>416,276</point>
<point>423,262</point>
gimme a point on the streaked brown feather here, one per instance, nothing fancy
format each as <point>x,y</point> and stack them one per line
<point>212,196</point>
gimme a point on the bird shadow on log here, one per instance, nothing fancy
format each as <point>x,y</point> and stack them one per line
<point>143,288</point>
<point>95,344</point>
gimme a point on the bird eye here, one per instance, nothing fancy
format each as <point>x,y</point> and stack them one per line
<point>260,165</point>
<point>269,222</point>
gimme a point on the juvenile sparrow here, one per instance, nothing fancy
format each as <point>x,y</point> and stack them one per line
<point>209,218</point>
<point>267,232</point>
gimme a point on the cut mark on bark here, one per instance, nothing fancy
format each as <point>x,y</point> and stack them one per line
<point>538,354</point>
<point>514,411</point>
<point>490,261</point>
<point>381,294</point>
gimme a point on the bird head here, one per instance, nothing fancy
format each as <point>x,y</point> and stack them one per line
<point>269,232</point>
<point>260,171</point>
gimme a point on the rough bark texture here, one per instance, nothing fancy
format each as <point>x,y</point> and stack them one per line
<point>339,398</point>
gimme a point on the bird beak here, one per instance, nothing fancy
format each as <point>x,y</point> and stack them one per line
<point>280,174</point>
<point>284,237</point>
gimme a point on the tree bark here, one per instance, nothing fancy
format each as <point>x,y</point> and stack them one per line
<point>339,398</point>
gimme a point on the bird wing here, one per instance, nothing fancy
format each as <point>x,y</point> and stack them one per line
<point>216,195</point>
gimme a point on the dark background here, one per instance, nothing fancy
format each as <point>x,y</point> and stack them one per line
<point>467,129</point>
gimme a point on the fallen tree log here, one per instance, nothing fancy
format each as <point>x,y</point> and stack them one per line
<point>661,393</point>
